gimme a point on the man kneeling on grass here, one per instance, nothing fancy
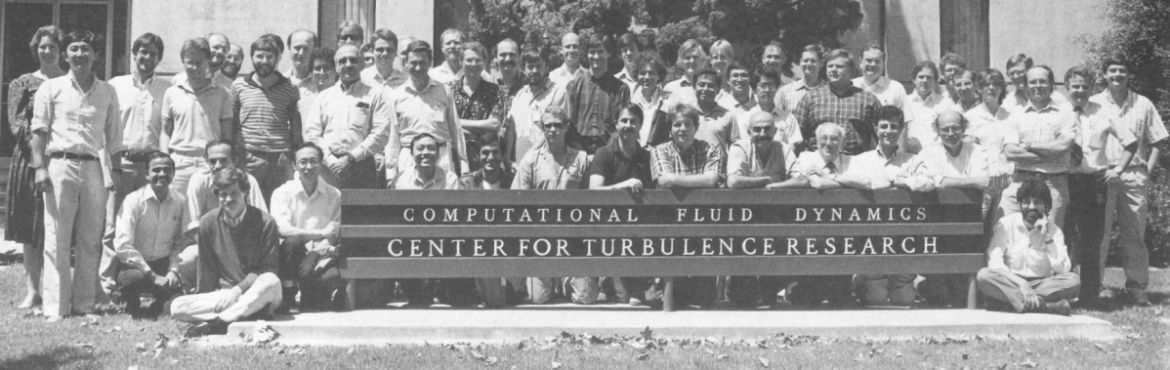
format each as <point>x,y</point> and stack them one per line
<point>1028,265</point>
<point>236,275</point>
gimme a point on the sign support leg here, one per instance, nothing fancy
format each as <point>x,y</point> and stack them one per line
<point>350,288</point>
<point>668,295</point>
<point>972,293</point>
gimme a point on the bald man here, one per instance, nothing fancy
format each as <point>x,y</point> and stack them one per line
<point>571,68</point>
<point>301,44</point>
<point>220,45</point>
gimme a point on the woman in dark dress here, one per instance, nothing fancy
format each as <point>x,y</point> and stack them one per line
<point>26,220</point>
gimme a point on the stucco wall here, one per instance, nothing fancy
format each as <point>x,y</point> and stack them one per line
<point>241,21</point>
<point>407,18</point>
<point>1046,30</point>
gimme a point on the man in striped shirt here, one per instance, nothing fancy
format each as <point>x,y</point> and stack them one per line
<point>267,121</point>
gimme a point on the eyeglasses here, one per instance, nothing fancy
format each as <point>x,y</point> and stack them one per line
<point>309,162</point>
<point>760,129</point>
<point>550,126</point>
<point>952,130</point>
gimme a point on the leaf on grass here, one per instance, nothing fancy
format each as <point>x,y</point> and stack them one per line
<point>140,346</point>
<point>556,365</point>
<point>491,360</point>
<point>720,357</point>
<point>966,357</point>
<point>157,352</point>
<point>477,355</point>
<point>647,334</point>
<point>86,345</point>
<point>350,351</point>
<point>1028,364</point>
<point>1101,347</point>
<point>135,367</point>
<point>643,356</point>
<point>765,362</point>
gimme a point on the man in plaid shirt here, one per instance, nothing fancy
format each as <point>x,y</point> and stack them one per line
<point>686,163</point>
<point>842,103</point>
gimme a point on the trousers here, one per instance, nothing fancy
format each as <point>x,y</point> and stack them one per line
<point>264,293</point>
<point>880,290</point>
<point>271,170</point>
<point>1126,207</point>
<point>74,211</point>
<point>996,285</point>
<point>1086,223</point>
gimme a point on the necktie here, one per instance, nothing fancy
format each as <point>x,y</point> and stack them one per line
<point>1076,153</point>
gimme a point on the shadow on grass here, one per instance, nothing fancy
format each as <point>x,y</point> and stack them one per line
<point>56,357</point>
<point>1120,301</point>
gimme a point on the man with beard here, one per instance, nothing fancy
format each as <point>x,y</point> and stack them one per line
<point>140,98</point>
<point>764,83</point>
<point>239,257</point>
<point>593,101</point>
<point>1028,269</point>
<point>268,124</point>
<point>874,80</point>
<point>150,236</point>
<point>349,121</point>
<point>448,71</point>
<point>493,175</point>
<point>841,103</point>
<point>301,44</point>
<point>1126,196</point>
<point>507,71</point>
<point>219,48</point>
<point>195,112</point>
<point>75,123</point>
<point>570,69</point>
<point>234,61</point>
<point>687,163</point>
<point>757,161</point>
<point>423,106</point>
<point>952,163</point>
<point>1039,139</point>
<point>383,73</point>
<point>307,212</point>
<point>522,125</point>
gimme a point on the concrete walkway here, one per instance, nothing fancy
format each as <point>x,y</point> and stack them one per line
<point>440,325</point>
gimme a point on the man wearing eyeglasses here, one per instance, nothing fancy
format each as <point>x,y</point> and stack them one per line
<point>307,212</point>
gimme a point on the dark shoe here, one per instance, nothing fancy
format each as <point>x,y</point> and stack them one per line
<point>213,327</point>
<point>1060,307</point>
<point>1138,298</point>
<point>288,303</point>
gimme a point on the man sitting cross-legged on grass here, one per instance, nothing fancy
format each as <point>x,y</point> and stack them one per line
<point>149,238</point>
<point>238,260</point>
<point>1028,265</point>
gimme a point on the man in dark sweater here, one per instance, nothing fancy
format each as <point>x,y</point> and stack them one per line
<point>236,275</point>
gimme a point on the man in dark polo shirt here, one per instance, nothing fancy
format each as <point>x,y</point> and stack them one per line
<point>592,101</point>
<point>623,164</point>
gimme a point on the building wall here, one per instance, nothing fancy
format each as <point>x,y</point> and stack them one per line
<point>1046,30</point>
<point>414,18</point>
<point>242,21</point>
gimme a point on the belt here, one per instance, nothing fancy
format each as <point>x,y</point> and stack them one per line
<point>67,155</point>
<point>257,153</point>
<point>136,157</point>
<point>1040,175</point>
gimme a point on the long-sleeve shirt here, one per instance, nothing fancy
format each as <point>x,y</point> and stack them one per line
<point>149,229</point>
<point>1036,253</point>
<point>234,256</point>
<point>267,118</point>
<point>357,119</point>
<point>141,106</point>
<point>78,122</point>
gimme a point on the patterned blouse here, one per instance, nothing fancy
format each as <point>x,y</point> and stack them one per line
<point>483,103</point>
<point>20,108</point>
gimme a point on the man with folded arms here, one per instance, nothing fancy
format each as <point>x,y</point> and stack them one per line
<point>238,261</point>
<point>1028,269</point>
<point>150,235</point>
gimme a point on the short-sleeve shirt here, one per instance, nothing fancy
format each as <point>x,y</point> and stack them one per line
<point>1040,125</point>
<point>430,111</point>
<point>441,180</point>
<point>920,115</point>
<point>480,104</point>
<point>292,206</point>
<point>715,127</point>
<point>988,129</point>
<point>813,164</point>
<point>887,92</point>
<point>1096,129</point>
<point>1139,115</point>
<point>78,122</point>
<point>541,171</point>
<point>268,118</point>
<point>524,115</point>
<point>701,158</point>
<point>791,94</point>
<point>593,103</point>
<point>743,160</point>
<point>196,118</point>
<point>881,170</point>
<point>141,107</point>
<point>937,164</point>
<point>611,163</point>
<point>854,109</point>
<point>217,77</point>
<point>787,131</point>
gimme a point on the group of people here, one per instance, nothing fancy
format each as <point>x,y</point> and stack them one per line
<point>218,194</point>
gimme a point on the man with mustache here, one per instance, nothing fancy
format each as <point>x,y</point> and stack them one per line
<point>571,68</point>
<point>233,62</point>
<point>220,45</point>
<point>151,233</point>
<point>522,125</point>
<point>507,72</point>
<point>1028,268</point>
<point>267,119</point>
<point>493,175</point>
<point>349,122</point>
<point>75,122</point>
<point>452,65</point>
<point>874,80</point>
<point>423,106</point>
<point>841,103</point>
<point>593,101</point>
<point>238,261</point>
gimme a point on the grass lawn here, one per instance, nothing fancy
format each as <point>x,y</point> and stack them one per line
<point>117,342</point>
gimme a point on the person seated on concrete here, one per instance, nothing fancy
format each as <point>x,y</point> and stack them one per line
<point>221,156</point>
<point>493,175</point>
<point>308,212</point>
<point>687,163</point>
<point>624,164</point>
<point>821,169</point>
<point>1028,268</point>
<point>149,236</point>
<point>427,174</point>
<point>553,165</point>
<point>759,160</point>
<point>236,274</point>
<point>952,163</point>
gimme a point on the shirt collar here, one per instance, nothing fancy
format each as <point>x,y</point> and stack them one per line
<point>409,85</point>
<point>251,80</point>
<point>417,180</point>
<point>1032,107</point>
<point>233,222</point>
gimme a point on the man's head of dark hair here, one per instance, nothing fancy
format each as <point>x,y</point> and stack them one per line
<point>1035,189</point>
<point>711,74</point>
<point>234,176</point>
<point>320,153</point>
<point>268,42</point>
<point>890,113</point>
<point>148,39</point>
<point>1114,59</point>
<point>230,144</point>
<point>80,35</point>
<point>762,71</point>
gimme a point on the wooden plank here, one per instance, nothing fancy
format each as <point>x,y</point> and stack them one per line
<point>380,268</point>
<point>435,198</point>
<point>633,231</point>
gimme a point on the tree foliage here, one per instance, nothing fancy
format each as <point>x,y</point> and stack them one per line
<point>1139,30</point>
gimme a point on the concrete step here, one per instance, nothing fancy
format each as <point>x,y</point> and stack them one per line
<point>400,325</point>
